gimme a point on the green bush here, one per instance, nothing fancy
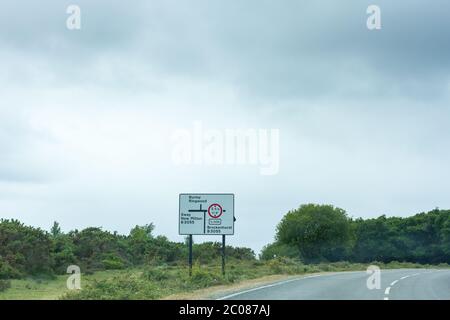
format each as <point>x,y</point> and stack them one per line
<point>276,250</point>
<point>319,232</point>
<point>8,272</point>
<point>325,267</point>
<point>283,265</point>
<point>156,274</point>
<point>24,250</point>
<point>113,262</point>
<point>202,278</point>
<point>275,266</point>
<point>5,285</point>
<point>312,233</point>
<point>124,287</point>
<point>342,265</point>
<point>257,263</point>
<point>233,276</point>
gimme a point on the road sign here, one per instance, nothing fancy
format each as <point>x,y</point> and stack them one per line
<point>206,214</point>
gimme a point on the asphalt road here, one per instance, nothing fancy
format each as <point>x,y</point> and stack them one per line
<point>398,284</point>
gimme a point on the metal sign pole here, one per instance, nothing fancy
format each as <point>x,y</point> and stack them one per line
<point>190,255</point>
<point>223,254</point>
<point>206,214</point>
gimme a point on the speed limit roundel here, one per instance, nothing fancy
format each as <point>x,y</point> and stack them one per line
<point>215,210</point>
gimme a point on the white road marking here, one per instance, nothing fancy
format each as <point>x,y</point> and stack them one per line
<point>393,283</point>
<point>386,292</point>
<point>287,281</point>
<point>267,286</point>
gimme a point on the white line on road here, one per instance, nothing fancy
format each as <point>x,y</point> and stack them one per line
<point>393,283</point>
<point>267,286</point>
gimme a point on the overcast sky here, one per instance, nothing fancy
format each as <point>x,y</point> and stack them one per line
<point>86,116</point>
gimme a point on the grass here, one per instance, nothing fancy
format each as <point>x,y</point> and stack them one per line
<point>48,289</point>
<point>157,282</point>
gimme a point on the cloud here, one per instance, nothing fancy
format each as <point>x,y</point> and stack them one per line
<point>86,116</point>
<point>267,50</point>
<point>15,145</point>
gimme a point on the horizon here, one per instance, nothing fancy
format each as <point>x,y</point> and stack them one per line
<point>99,114</point>
<point>212,238</point>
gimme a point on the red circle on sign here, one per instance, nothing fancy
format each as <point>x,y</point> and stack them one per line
<point>215,211</point>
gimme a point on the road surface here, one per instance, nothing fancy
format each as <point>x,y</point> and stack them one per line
<point>398,284</point>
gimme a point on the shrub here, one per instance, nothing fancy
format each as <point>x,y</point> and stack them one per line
<point>24,250</point>
<point>276,249</point>
<point>156,274</point>
<point>113,262</point>
<point>124,287</point>
<point>257,263</point>
<point>202,278</point>
<point>5,285</point>
<point>342,265</point>
<point>275,266</point>
<point>320,232</point>
<point>233,276</point>
<point>325,267</point>
<point>285,265</point>
<point>8,272</point>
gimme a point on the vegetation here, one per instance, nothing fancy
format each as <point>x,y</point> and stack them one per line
<point>312,238</point>
<point>318,232</point>
<point>4,284</point>
<point>44,288</point>
<point>23,250</point>
<point>155,282</point>
<point>26,251</point>
<point>321,233</point>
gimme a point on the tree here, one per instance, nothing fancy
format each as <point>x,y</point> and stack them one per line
<point>422,238</point>
<point>140,241</point>
<point>55,230</point>
<point>23,250</point>
<point>319,232</point>
<point>96,249</point>
<point>142,232</point>
<point>277,249</point>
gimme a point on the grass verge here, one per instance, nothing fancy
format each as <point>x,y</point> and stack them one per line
<point>173,282</point>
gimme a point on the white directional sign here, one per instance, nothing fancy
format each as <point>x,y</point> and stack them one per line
<point>206,214</point>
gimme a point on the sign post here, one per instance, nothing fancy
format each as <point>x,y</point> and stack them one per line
<point>206,214</point>
<point>190,255</point>
<point>223,254</point>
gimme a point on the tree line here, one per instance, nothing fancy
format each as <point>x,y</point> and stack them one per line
<point>25,250</point>
<point>311,234</point>
<point>320,233</point>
